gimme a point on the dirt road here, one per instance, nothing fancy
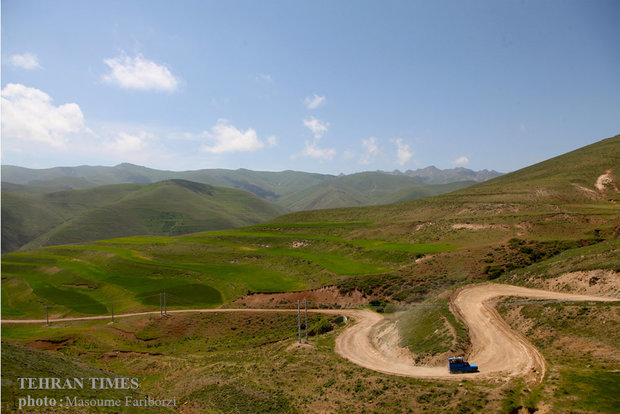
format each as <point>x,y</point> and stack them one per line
<point>496,348</point>
<point>369,342</point>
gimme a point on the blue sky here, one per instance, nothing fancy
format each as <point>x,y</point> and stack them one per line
<point>321,86</point>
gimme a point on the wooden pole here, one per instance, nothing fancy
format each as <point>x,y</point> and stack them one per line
<point>306,309</point>
<point>47,315</point>
<point>299,321</point>
<point>112,306</point>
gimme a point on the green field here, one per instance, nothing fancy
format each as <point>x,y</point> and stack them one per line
<point>198,270</point>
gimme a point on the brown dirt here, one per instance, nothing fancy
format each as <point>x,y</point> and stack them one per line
<point>81,286</point>
<point>50,345</point>
<point>591,282</point>
<point>125,354</point>
<point>469,226</point>
<point>605,181</point>
<point>329,295</point>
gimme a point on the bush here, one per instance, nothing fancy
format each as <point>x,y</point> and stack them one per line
<point>321,327</point>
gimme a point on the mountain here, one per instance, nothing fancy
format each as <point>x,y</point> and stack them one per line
<point>433,175</point>
<point>367,188</point>
<point>265,184</point>
<point>169,207</point>
<point>291,189</point>
<point>506,223</point>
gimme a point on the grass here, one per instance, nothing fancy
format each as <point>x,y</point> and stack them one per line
<point>241,361</point>
<point>22,362</point>
<point>430,329</point>
<point>579,341</point>
<point>198,270</point>
<point>588,390</point>
<point>164,208</point>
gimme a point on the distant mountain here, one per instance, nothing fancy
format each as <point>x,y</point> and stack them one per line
<point>433,175</point>
<point>169,207</point>
<point>364,189</point>
<point>291,189</point>
<point>265,184</point>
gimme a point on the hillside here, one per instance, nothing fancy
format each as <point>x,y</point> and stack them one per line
<point>405,252</point>
<point>291,189</point>
<point>165,208</point>
<point>587,176</point>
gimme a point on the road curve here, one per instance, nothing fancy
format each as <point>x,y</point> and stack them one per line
<point>496,348</point>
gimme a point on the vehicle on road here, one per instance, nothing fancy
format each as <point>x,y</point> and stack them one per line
<point>458,364</point>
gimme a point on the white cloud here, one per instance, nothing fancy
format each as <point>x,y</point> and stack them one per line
<point>264,77</point>
<point>140,73</point>
<point>29,115</point>
<point>317,127</point>
<point>272,141</point>
<point>125,142</point>
<point>348,154</point>
<point>313,102</point>
<point>371,150</point>
<point>403,153</point>
<point>461,161</point>
<point>230,139</point>
<point>28,61</point>
<point>312,151</point>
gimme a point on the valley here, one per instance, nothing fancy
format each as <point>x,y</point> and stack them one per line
<point>419,271</point>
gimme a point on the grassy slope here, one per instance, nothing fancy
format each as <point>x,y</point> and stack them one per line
<point>86,278</point>
<point>165,208</point>
<point>580,342</point>
<point>22,362</point>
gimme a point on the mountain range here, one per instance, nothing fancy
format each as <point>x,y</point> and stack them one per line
<point>73,204</point>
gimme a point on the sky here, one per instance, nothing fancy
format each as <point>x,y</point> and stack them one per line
<point>320,86</point>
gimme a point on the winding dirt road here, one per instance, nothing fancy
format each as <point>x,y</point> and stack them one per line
<point>496,348</point>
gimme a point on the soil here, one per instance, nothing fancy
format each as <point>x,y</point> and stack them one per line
<point>50,345</point>
<point>329,296</point>
<point>592,282</point>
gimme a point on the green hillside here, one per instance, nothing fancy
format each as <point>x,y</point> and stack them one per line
<point>164,208</point>
<point>404,252</point>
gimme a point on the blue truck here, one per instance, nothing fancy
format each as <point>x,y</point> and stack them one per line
<point>458,364</point>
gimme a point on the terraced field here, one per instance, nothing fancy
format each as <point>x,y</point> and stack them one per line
<point>199,270</point>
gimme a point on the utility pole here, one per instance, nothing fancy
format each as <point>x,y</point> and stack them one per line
<point>47,315</point>
<point>112,306</point>
<point>299,321</point>
<point>306,309</point>
<point>165,313</point>
<point>161,312</point>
